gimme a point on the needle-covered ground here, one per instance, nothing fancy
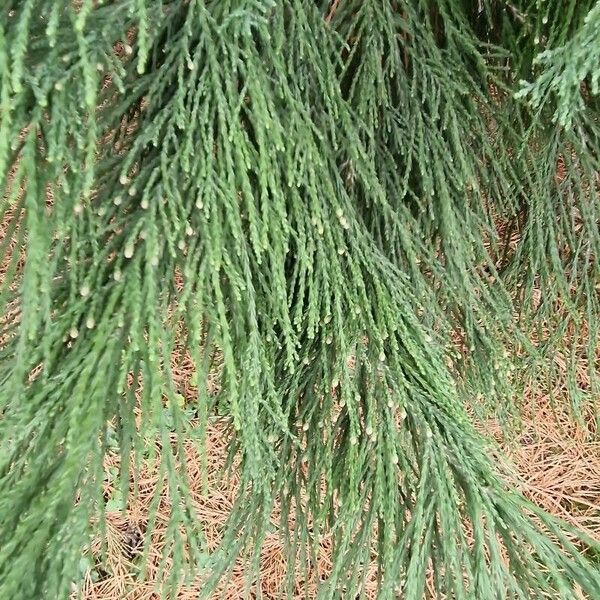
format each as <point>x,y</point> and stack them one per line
<point>556,464</point>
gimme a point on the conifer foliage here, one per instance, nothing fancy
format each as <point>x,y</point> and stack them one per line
<point>356,212</point>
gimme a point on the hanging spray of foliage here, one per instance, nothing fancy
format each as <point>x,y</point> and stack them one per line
<point>337,186</point>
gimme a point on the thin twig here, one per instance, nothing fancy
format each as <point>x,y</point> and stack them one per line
<point>332,11</point>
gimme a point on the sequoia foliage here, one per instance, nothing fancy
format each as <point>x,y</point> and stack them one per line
<point>366,216</point>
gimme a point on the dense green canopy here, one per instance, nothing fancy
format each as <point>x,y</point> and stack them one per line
<point>375,213</point>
